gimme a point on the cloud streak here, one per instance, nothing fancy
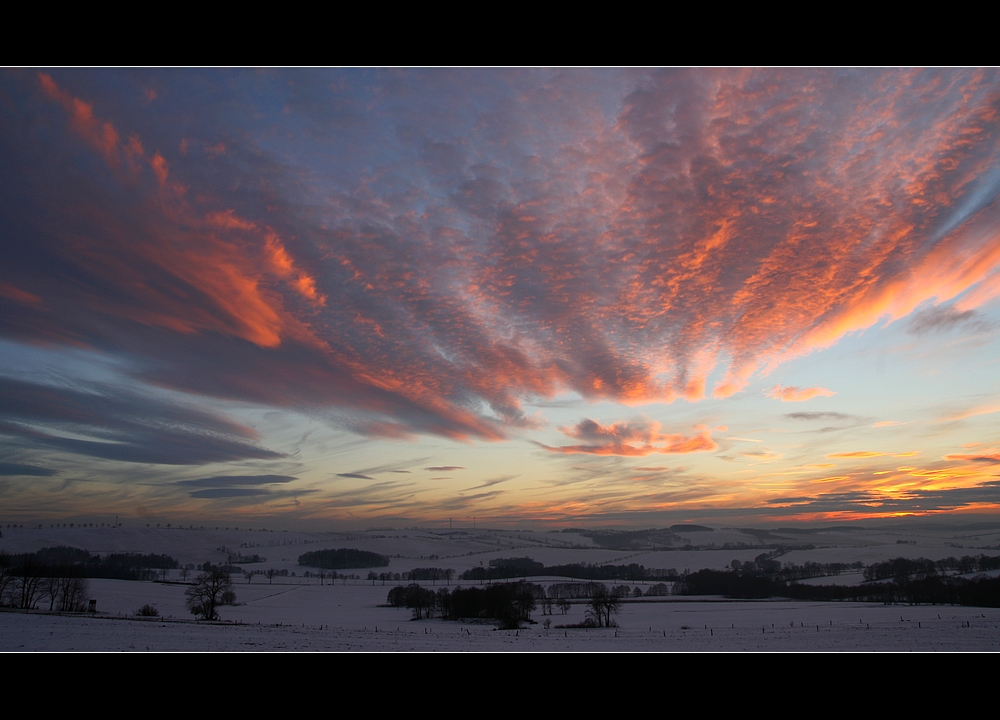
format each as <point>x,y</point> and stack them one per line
<point>107,422</point>
<point>797,394</point>
<point>635,439</point>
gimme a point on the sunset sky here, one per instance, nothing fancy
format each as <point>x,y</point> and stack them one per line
<point>542,298</point>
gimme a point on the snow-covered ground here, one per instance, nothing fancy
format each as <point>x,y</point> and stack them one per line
<point>315,620</point>
<point>295,613</point>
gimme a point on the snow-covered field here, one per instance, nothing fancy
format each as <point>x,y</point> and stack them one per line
<point>295,613</point>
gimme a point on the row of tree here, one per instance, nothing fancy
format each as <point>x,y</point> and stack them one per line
<point>27,591</point>
<point>509,604</point>
<point>509,568</point>
<point>58,575</point>
<point>764,566</point>
<point>906,569</point>
<point>909,581</point>
<point>119,566</point>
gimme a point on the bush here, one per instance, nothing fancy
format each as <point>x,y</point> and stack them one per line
<point>147,610</point>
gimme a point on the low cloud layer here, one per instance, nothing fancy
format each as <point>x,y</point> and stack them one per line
<point>632,439</point>
<point>15,469</point>
<point>110,423</point>
<point>220,481</point>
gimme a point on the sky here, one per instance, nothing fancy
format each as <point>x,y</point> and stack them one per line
<point>355,298</point>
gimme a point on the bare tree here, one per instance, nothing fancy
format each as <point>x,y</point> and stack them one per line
<point>6,576</point>
<point>28,574</point>
<point>603,605</point>
<point>207,593</point>
<point>50,590</point>
<point>72,592</point>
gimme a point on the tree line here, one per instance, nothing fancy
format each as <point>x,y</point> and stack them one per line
<point>509,603</point>
<point>509,568</point>
<point>906,569</point>
<point>58,575</point>
<point>900,580</point>
<point>25,582</point>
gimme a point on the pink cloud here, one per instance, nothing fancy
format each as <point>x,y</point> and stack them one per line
<point>792,393</point>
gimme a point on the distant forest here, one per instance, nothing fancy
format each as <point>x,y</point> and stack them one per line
<point>909,581</point>
<point>70,561</point>
<point>342,558</point>
<point>900,580</point>
<point>508,568</point>
<point>59,574</point>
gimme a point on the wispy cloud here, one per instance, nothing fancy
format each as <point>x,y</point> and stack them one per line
<point>991,457</point>
<point>985,409</point>
<point>823,416</point>
<point>944,318</point>
<point>631,439</point>
<point>797,394</point>
<point>9,469</point>
<point>103,421</point>
<point>219,481</point>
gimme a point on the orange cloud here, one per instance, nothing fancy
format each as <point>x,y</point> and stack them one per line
<point>858,454</point>
<point>229,220</point>
<point>868,454</point>
<point>12,292</point>
<point>796,394</point>
<point>160,168</point>
<point>283,265</point>
<point>634,439</point>
<point>99,134</point>
<point>987,409</point>
<point>991,457</point>
<point>238,301</point>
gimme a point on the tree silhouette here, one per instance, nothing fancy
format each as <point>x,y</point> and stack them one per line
<point>604,604</point>
<point>207,593</point>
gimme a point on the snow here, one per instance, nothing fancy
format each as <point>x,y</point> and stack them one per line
<point>356,624</point>
<point>296,613</point>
